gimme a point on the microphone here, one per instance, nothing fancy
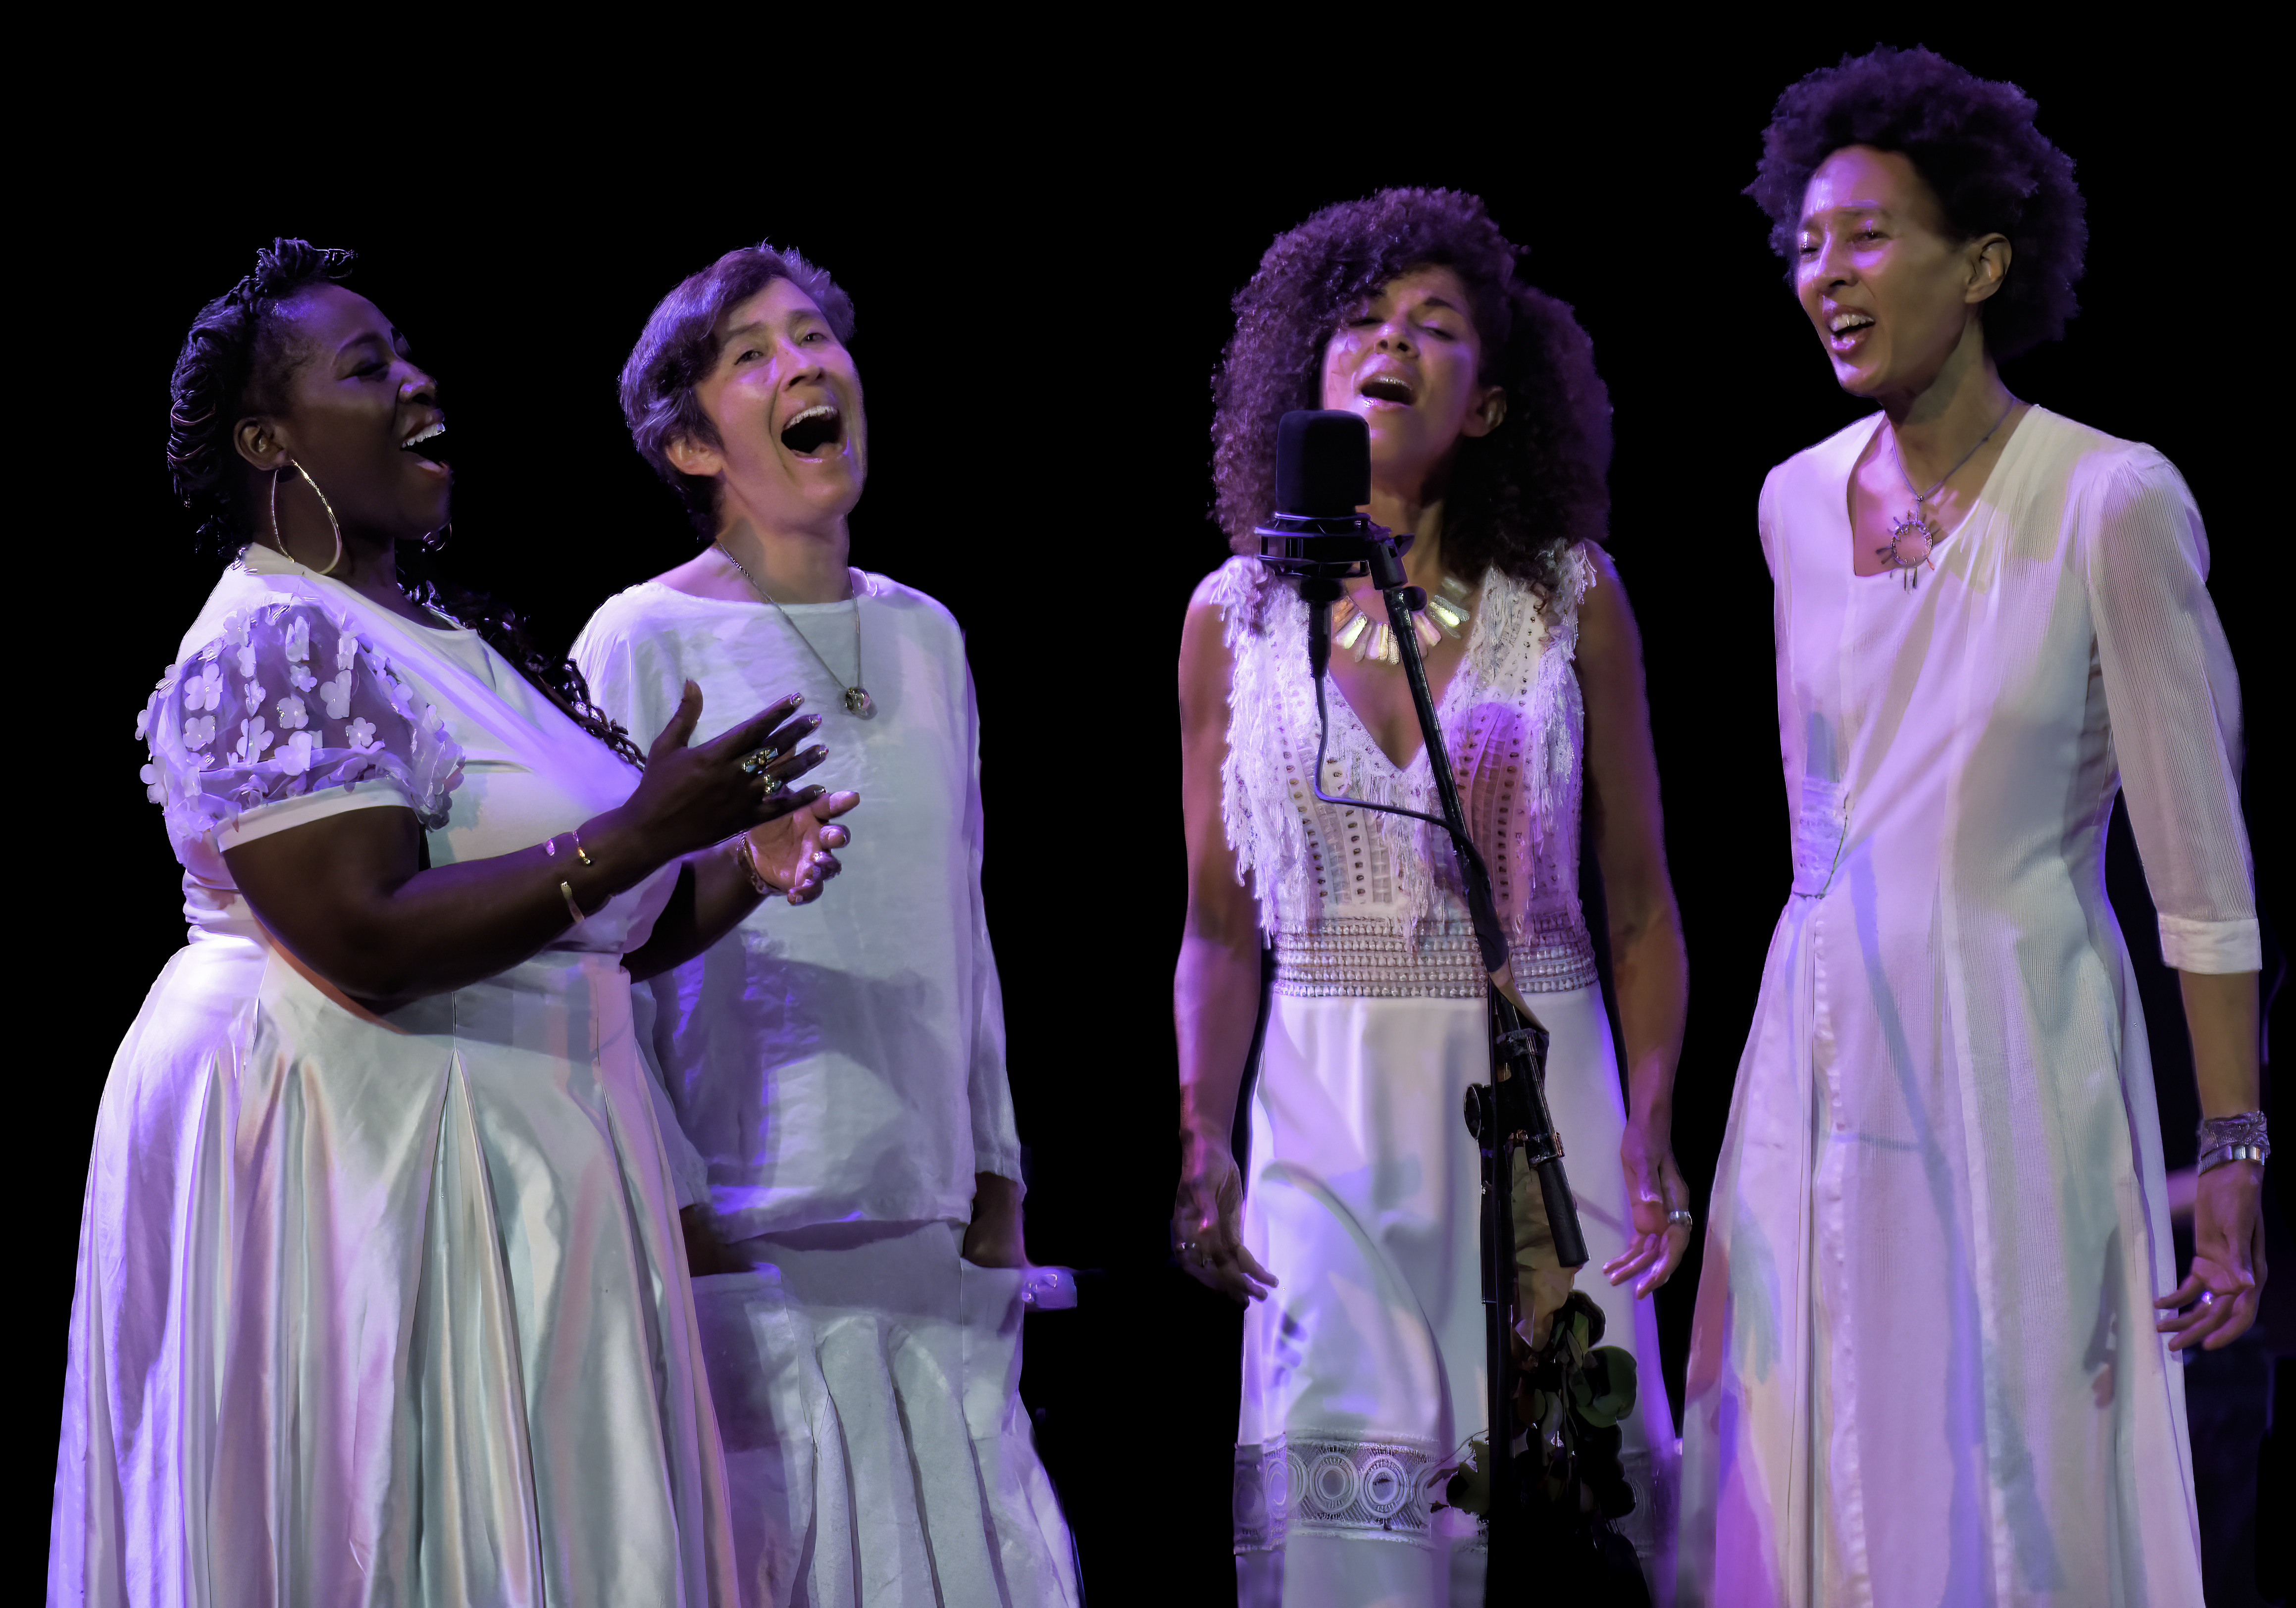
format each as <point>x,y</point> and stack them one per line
<point>1316,537</point>
<point>1322,464</point>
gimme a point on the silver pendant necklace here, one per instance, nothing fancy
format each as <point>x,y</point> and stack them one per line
<point>857,701</point>
<point>1912,538</point>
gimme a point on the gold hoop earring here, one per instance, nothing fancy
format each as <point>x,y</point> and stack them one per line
<point>280,541</point>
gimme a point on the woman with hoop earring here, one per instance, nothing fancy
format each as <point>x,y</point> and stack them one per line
<point>381,1293</point>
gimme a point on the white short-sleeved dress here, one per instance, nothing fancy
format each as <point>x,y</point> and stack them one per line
<point>1924,1368</point>
<point>1363,1372</point>
<point>379,1309</point>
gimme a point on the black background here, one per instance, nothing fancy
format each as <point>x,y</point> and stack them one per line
<point>1041,257</point>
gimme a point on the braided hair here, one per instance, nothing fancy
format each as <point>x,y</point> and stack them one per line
<point>237,359</point>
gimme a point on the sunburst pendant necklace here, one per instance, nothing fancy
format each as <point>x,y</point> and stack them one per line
<point>1366,638</point>
<point>1912,538</point>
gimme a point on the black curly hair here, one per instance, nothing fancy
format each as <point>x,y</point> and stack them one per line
<point>1520,496</point>
<point>1974,144</point>
<point>237,359</point>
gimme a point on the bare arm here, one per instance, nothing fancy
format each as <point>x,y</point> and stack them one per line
<point>1649,969</point>
<point>349,897</point>
<point>1216,987</point>
<point>2220,1013</point>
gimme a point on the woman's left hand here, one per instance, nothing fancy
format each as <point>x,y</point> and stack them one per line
<point>994,1238</point>
<point>792,851</point>
<point>2226,1277</point>
<point>1655,1187</point>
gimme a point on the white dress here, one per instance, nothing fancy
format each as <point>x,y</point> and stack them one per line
<point>379,1309</point>
<point>838,1070</point>
<point>1924,1367</point>
<point>1363,1372</point>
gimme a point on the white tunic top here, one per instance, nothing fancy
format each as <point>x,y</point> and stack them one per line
<point>843,1061</point>
<point>1924,1367</point>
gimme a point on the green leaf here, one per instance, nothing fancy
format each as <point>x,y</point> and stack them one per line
<point>1603,1392</point>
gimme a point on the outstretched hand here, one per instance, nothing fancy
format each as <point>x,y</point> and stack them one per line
<point>793,852</point>
<point>1655,1187</point>
<point>691,797</point>
<point>2226,1277</point>
<point>1206,1233</point>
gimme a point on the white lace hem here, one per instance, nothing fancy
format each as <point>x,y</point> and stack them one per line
<point>1362,1490</point>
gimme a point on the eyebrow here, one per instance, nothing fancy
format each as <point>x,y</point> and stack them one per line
<point>757,326</point>
<point>1433,301</point>
<point>389,344</point>
<point>1849,206</point>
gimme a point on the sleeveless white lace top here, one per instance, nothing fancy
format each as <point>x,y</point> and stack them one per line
<point>1357,903</point>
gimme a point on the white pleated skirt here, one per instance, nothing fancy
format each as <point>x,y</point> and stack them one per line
<point>867,1386</point>
<point>1364,1373</point>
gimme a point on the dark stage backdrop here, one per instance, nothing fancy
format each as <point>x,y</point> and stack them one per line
<point>1041,301</point>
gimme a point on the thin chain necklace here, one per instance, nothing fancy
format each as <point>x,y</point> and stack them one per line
<point>1912,538</point>
<point>1352,629</point>
<point>857,701</point>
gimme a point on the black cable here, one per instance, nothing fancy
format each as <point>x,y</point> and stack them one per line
<point>1322,735</point>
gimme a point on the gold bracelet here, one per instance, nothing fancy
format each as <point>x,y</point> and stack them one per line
<point>550,847</point>
<point>745,856</point>
<point>573,909</point>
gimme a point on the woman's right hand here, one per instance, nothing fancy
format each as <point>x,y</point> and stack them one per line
<point>690,798</point>
<point>1205,1233</point>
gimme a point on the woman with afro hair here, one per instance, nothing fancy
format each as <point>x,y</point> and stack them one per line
<point>382,1296</point>
<point>1349,1221</point>
<point>1926,1367</point>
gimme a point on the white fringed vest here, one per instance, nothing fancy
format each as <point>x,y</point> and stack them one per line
<point>1360,903</point>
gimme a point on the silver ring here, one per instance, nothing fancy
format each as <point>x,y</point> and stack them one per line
<point>773,784</point>
<point>1680,1215</point>
<point>757,758</point>
<point>2207,1298</point>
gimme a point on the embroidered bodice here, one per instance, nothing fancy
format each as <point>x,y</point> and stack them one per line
<point>1360,903</point>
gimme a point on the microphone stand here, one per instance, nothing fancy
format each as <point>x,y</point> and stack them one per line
<point>1508,1114</point>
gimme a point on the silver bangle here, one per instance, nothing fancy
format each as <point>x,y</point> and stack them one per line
<point>2223,1153</point>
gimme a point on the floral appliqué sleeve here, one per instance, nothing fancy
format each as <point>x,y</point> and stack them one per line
<point>287,701</point>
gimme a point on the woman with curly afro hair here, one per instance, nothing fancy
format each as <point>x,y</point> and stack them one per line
<point>382,1296</point>
<point>1348,1222</point>
<point>1926,1365</point>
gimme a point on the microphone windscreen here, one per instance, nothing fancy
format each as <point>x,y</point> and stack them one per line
<point>1322,464</point>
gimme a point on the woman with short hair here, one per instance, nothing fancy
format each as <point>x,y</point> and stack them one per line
<point>1925,1367</point>
<point>1355,1235</point>
<point>380,1297</point>
<point>854,1172</point>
